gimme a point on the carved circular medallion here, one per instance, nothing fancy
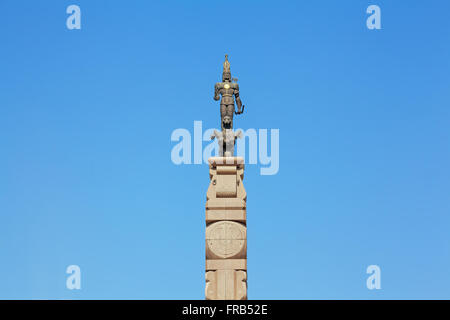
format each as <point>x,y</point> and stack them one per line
<point>225,239</point>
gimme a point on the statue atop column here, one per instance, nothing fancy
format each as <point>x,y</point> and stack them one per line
<point>226,203</point>
<point>228,92</point>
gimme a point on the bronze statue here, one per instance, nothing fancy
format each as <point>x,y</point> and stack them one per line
<point>229,90</point>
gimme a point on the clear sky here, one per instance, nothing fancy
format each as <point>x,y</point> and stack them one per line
<point>86,117</point>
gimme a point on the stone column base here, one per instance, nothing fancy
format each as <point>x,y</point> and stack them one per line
<point>226,230</point>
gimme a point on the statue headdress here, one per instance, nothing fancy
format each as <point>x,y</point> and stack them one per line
<point>226,74</point>
<point>226,65</point>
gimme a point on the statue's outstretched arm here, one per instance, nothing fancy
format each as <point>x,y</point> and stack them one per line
<point>216,92</point>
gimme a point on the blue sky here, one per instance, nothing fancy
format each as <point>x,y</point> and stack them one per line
<point>86,118</point>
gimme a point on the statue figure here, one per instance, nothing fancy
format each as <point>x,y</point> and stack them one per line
<point>227,89</point>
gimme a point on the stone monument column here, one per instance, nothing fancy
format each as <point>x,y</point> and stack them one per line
<point>226,203</point>
<point>226,230</point>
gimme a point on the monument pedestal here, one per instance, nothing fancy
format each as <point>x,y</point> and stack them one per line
<point>226,230</point>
